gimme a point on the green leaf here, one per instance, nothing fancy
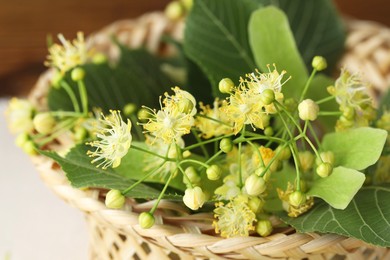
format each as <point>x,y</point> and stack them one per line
<point>356,148</point>
<point>216,38</point>
<point>339,188</point>
<point>273,42</point>
<point>134,163</point>
<point>137,78</point>
<point>317,28</point>
<point>81,173</point>
<point>367,217</point>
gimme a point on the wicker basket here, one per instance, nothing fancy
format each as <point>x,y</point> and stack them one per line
<point>115,234</point>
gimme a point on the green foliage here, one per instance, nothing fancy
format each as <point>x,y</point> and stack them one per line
<point>272,42</point>
<point>339,188</point>
<point>356,148</point>
<point>137,78</point>
<point>365,218</point>
<point>216,39</point>
<point>82,174</point>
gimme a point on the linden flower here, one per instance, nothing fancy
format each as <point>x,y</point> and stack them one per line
<point>244,108</point>
<point>175,118</point>
<point>214,123</point>
<point>234,219</point>
<point>19,114</point>
<point>114,140</point>
<point>68,55</point>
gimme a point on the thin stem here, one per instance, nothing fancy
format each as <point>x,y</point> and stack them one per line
<point>194,161</point>
<point>318,102</point>
<point>239,159</point>
<point>307,85</point>
<point>161,194</point>
<point>65,114</point>
<point>313,147</point>
<point>142,179</point>
<point>137,128</point>
<point>185,176</point>
<point>71,95</point>
<point>297,165</point>
<point>213,119</point>
<point>83,96</point>
<point>313,133</point>
<point>258,152</point>
<point>206,142</point>
<point>330,113</point>
<point>57,133</point>
<point>199,141</point>
<point>149,152</point>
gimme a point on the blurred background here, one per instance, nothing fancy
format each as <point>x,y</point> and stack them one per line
<point>24,26</point>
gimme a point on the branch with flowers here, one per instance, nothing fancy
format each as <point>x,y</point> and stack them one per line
<point>265,146</point>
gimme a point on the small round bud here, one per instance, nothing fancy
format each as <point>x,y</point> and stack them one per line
<point>80,133</point>
<point>44,123</point>
<point>306,160</point>
<point>194,198</point>
<point>331,90</point>
<point>187,4</point>
<point>226,145</point>
<point>308,110</point>
<point>255,204</point>
<point>214,172</point>
<point>192,176</point>
<point>327,156</point>
<point>296,199</point>
<point>186,154</point>
<point>284,153</point>
<point>99,58</point>
<point>268,96</point>
<point>319,63</point>
<point>185,105</point>
<point>21,139</point>
<point>114,199</point>
<point>174,10</point>
<point>264,227</point>
<point>77,74</point>
<point>143,114</point>
<point>146,220</point>
<point>255,185</point>
<point>324,169</point>
<point>29,148</point>
<point>349,113</point>
<point>269,131</point>
<point>129,109</point>
<point>56,79</point>
<point>226,85</point>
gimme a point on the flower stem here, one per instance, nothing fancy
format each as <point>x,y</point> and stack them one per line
<point>318,102</point>
<point>307,85</point>
<point>71,95</point>
<point>150,152</point>
<point>161,194</point>
<point>83,96</point>
<point>204,150</point>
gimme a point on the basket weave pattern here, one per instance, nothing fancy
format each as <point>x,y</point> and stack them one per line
<point>115,234</point>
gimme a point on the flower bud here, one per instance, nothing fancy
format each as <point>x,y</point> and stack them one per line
<point>143,114</point>
<point>186,154</point>
<point>146,220</point>
<point>114,199</point>
<point>319,63</point>
<point>297,198</point>
<point>348,113</point>
<point>308,110</point>
<point>80,133</point>
<point>29,148</point>
<point>99,58</point>
<point>226,85</point>
<point>284,153</point>
<point>21,139</point>
<point>56,79</point>
<point>187,4</point>
<point>174,10</point>
<point>306,160</point>
<point>226,145</point>
<point>269,131</point>
<point>194,198</point>
<point>331,90</point>
<point>214,172</point>
<point>264,227</point>
<point>267,96</point>
<point>324,169</point>
<point>185,105</point>
<point>327,156</point>
<point>44,123</point>
<point>255,185</point>
<point>77,74</point>
<point>255,204</point>
<point>192,176</point>
<point>129,109</point>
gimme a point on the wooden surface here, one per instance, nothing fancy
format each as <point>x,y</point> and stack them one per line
<point>25,24</point>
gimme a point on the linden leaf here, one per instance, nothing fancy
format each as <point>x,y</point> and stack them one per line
<point>339,188</point>
<point>356,148</point>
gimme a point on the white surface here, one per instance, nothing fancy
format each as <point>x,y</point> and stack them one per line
<point>34,223</point>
